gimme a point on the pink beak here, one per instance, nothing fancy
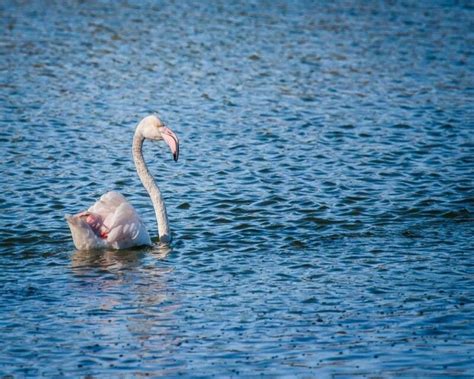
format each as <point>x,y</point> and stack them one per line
<point>172,140</point>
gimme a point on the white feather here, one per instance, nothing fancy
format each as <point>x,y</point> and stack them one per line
<point>125,228</point>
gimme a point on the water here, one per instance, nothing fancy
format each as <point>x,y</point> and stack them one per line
<point>322,208</point>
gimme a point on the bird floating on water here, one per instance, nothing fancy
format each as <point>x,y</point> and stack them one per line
<point>112,222</point>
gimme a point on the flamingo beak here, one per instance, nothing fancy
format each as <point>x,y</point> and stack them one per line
<point>172,140</point>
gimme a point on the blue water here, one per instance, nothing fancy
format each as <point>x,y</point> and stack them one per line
<point>322,208</point>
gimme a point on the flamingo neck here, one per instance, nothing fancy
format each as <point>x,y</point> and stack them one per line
<point>151,187</point>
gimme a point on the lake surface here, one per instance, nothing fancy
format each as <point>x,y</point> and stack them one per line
<point>321,211</point>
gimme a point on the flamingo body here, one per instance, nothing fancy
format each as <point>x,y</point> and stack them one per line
<point>111,222</point>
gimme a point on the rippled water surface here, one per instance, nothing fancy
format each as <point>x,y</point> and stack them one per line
<point>321,210</point>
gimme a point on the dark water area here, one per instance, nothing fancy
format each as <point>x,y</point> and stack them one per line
<point>321,211</point>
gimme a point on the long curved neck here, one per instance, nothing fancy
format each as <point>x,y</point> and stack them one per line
<point>151,187</point>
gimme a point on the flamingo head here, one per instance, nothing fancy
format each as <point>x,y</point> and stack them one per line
<point>153,128</point>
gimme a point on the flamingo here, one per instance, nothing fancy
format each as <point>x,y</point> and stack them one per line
<point>112,222</point>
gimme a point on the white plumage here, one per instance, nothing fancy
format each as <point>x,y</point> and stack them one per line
<point>119,225</point>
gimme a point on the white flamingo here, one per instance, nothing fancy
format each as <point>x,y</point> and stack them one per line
<point>112,222</point>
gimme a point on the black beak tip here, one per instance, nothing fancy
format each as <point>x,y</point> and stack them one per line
<point>175,157</point>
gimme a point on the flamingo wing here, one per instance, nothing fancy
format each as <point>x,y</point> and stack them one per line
<point>124,226</point>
